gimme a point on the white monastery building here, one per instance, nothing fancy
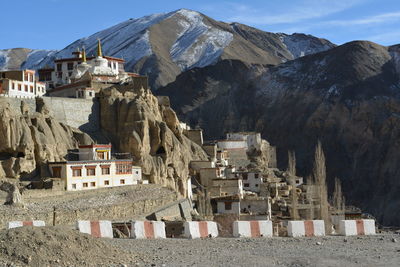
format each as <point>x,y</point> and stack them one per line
<point>95,168</point>
<point>21,84</point>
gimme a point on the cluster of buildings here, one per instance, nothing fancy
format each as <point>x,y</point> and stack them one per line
<point>21,84</point>
<point>94,166</point>
<point>76,77</point>
<point>233,185</point>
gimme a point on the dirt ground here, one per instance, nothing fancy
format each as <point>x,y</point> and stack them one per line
<point>60,246</point>
<point>379,250</point>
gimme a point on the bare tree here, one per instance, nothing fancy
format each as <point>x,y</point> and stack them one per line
<point>294,214</point>
<point>319,175</point>
<point>338,198</point>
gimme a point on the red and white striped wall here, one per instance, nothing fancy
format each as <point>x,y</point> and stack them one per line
<point>200,229</point>
<point>306,228</point>
<point>16,224</point>
<point>147,229</point>
<point>357,227</point>
<point>252,229</point>
<point>96,228</point>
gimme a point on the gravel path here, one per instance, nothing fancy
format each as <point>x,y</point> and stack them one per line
<point>379,250</point>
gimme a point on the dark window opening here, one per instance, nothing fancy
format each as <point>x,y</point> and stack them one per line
<point>228,205</point>
<point>160,150</point>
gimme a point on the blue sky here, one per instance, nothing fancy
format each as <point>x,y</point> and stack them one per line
<point>53,24</point>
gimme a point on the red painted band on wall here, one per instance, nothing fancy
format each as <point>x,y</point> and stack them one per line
<point>203,229</point>
<point>309,228</point>
<point>255,229</point>
<point>95,228</point>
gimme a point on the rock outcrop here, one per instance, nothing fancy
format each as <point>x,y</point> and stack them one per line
<point>136,123</point>
<point>29,139</point>
<point>347,97</point>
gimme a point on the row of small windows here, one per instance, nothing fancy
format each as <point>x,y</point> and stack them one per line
<point>120,169</point>
<point>26,88</point>
<point>93,184</point>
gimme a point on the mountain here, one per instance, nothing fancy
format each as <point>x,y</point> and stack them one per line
<point>25,58</point>
<point>348,97</point>
<point>164,45</point>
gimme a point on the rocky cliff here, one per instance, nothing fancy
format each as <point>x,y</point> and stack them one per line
<point>135,122</point>
<point>348,97</point>
<point>29,139</point>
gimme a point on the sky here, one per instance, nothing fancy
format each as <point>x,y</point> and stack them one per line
<point>53,24</point>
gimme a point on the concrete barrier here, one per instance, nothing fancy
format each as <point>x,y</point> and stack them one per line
<point>96,228</point>
<point>306,228</point>
<point>148,229</point>
<point>16,224</point>
<point>252,229</point>
<point>200,229</point>
<point>357,227</point>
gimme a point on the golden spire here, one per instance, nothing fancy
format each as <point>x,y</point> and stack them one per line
<point>99,51</point>
<point>83,55</point>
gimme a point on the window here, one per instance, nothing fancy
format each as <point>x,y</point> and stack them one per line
<point>70,73</point>
<point>137,172</point>
<point>56,172</point>
<point>123,168</point>
<point>90,171</point>
<point>26,88</point>
<point>244,175</point>
<point>59,67</point>
<point>90,94</point>
<point>105,171</point>
<point>100,155</point>
<point>106,182</point>
<point>256,175</point>
<point>85,185</point>
<point>122,181</point>
<point>31,87</point>
<point>92,184</point>
<point>228,205</point>
<point>70,66</point>
<point>76,172</point>
<point>19,87</point>
<point>73,186</point>
<point>13,85</point>
<point>246,185</point>
<point>256,185</point>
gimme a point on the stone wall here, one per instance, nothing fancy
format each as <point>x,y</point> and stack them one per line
<point>79,113</point>
<point>124,211</point>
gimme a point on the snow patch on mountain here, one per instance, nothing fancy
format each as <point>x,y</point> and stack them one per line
<point>36,58</point>
<point>128,40</point>
<point>4,59</point>
<point>300,45</point>
<point>197,44</point>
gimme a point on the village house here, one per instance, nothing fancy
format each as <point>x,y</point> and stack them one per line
<point>252,139</point>
<point>94,167</point>
<point>252,180</point>
<point>226,187</point>
<point>20,84</point>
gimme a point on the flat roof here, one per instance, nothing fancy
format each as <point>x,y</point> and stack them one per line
<point>95,146</point>
<point>91,161</point>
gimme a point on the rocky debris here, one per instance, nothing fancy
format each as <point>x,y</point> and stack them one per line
<point>136,123</point>
<point>58,246</point>
<point>13,193</point>
<point>28,141</point>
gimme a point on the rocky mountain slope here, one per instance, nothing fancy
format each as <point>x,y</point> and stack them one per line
<point>348,97</point>
<point>28,140</point>
<point>25,58</point>
<point>135,122</point>
<point>164,45</point>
